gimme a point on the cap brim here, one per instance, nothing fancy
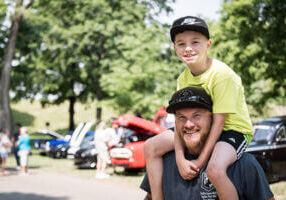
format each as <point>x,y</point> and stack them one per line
<point>172,108</point>
<point>179,29</point>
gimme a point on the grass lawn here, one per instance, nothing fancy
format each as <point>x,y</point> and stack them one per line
<point>34,116</point>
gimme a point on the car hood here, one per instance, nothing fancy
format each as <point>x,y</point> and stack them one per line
<point>137,123</point>
<point>51,133</point>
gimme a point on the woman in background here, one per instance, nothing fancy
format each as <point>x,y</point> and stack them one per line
<point>24,149</point>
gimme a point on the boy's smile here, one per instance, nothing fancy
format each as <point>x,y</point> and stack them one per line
<point>192,48</point>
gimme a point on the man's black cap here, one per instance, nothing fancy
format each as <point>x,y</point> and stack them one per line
<point>190,97</point>
<point>189,23</point>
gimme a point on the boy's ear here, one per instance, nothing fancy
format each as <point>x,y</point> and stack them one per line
<point>175,48</point>
<point>209,44</point>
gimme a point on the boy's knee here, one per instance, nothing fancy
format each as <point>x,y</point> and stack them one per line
<point>214,172</point>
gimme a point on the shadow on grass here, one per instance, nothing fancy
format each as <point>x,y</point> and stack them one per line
<point>28,196</point>
<point>21,117</point>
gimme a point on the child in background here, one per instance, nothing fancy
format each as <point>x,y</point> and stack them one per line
<point>5,146</point>
<point>231,129</point>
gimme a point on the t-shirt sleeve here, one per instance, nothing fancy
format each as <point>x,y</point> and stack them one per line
<point>256,186</point>
<point>145,184</point>
<point>225,95</point>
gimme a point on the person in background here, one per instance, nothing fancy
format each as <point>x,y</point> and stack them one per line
<point>15,148</point>
<point>5,145</point>
<point>101,140</point>
<point>115,132</point>
<point>24,149</point>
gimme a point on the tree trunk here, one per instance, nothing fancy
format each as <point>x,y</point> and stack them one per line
<point>5,110</point>
<point>71,113</point>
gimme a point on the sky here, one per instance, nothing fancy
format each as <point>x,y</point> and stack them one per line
<point>203,8</point>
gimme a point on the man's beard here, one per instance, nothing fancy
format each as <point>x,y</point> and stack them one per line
<point>194,146</point>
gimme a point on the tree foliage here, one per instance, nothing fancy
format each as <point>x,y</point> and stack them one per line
<point>19,7</point>
<point>251,38</point>
<point>73,44</point>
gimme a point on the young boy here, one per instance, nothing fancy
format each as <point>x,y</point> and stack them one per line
<point>231,129</point>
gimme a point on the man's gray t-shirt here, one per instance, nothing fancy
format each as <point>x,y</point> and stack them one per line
<point>246,174</point>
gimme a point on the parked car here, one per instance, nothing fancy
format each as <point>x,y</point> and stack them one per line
<point>62,148</point>
<point>57,149</point>
<point>43,145</point>
<point>75,142</point>
<point>269,147</point>
<point>131,155</point>
<point>86,156</point>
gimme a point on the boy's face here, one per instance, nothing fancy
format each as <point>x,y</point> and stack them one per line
<point>192,47</point>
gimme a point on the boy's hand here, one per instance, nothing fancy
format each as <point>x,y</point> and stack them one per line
<point>188,169</point>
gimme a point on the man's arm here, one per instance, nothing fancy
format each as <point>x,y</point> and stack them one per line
<point>154,149</point>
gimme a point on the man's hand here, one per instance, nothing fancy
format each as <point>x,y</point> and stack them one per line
<point>188,169</point>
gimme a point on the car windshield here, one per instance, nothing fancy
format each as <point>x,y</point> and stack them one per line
<point>262,133</point>
<point>87,141</point>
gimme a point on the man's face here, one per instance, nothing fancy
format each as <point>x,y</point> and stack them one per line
<point>192,47</point>
<point>193,126</point>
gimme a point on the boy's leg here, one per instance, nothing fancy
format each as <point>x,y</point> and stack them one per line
<point>227,150</point>
<point>154,149</point>
<point>223,156</point>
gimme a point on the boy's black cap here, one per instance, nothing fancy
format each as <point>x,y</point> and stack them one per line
<point>190,97</point>
<point>189,23</point>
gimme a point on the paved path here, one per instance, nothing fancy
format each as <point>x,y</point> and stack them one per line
<point>39,185</point>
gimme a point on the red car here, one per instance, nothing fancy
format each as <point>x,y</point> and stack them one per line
<point>137,130</point>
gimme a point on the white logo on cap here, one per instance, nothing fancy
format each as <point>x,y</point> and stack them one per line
<point>190,21</point>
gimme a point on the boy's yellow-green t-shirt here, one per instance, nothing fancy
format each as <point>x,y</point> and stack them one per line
<point>227,93</point>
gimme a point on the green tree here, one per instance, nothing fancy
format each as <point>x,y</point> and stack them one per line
<point>251,39</point>
<point>146,76</point>
<point>19,9</point>
<point>80,45</point>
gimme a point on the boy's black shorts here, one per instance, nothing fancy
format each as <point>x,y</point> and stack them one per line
<point>235,139</point>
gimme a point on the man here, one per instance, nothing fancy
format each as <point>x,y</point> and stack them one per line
<point>193,118</point>
<point>14,139</point>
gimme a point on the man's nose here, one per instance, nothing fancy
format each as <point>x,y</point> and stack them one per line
<point>189,124</point>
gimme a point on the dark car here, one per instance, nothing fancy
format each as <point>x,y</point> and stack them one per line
<point>269,147</point>
<point>57,149</point>
<point>86,156</point>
